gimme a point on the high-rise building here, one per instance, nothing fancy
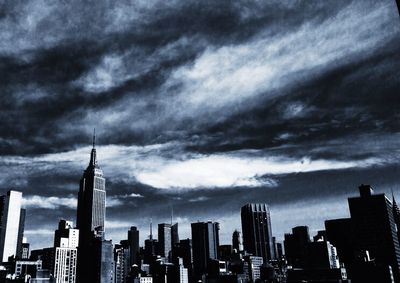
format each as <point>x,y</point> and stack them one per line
<point>236,242</point>
<point>205,242</point>
<point>396,215</point>
<point>252,267</point>
<point>374,228</point>
<point>12,219</point>
<point>340,234</point>
<point>66,240</point>
<point>95,254</point>
<point>91,201</point>
<point>257,231</point>
<point>174,235</point>
<point>296,246</point>
<point>164,239</point>
<point>133,241</point>
<point>122,261</point>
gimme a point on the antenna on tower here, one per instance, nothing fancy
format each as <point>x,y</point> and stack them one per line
<point>151,228</point>
<point>94,137</point>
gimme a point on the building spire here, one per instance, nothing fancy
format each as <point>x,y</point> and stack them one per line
<point>94,137</point>
<point>93,161</point>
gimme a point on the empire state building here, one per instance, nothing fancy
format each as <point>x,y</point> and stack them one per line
<point>91,201</point>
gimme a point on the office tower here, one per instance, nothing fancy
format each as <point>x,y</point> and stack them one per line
<point>91,201</point>
<point>122,261</point>
<point>174,235</point>
<point>340,234</point>
<point>66,240</point>
<point>257,232</point>
<point>225,252</point>
<point>12,219</point>
<point>321,255</point>
<point>205,242</point>
<point>396,215</point>
<point>296,246</point>
<point>183,276</point>
<point>236,243</point>
<point>21,232</point>
<point>95,254</point>
<point>252,267</point>
<point>164,239</point>
<point>375,228</point>
<point>133,241</point>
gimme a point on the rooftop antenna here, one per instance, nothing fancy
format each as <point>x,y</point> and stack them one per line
<point>151,228</point>
<point>94,137</point>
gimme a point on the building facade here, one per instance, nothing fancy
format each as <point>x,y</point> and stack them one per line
<point>12,219</point>
<point>257,231</point>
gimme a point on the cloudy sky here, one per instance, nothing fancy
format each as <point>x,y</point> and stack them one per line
<point>202,106</point>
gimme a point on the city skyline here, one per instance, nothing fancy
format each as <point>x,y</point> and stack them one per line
<point>200,109</point>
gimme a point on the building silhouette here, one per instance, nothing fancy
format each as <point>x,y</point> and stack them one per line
<point>236,241</point>
<point>257,231</point>
<point>205,242</point>
<point>66,240</point>
<point>164,239</point>
<point>12,219</point>
<point>296,246</point>
<point>133,244</point>
<point>95,254</point>
<point>375,229</point>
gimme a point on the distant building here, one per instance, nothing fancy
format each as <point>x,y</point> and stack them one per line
<point>164,239</point>
<point>296,246</point>
<point>133,242</point>
<point>257,231</point>
<point>66,240</point>
<point>236,241</point>
<point>375,228</point>
<point>321,255</point>
<point>122,261</point>
<point>12,219</point>
<point>252,267</point>
<point>205,242</point>
<point>95,254</point>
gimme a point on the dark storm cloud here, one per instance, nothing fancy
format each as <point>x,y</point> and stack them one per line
<point>193,100</point>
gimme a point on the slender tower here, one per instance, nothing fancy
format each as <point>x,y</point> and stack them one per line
<point>91,201</point>
<point>94,252</point>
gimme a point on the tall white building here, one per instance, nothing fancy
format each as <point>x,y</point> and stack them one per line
<point>11,224</point>
<point>66,241</point>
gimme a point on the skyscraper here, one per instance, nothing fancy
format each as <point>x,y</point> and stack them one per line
<point>257,231</point>
<point>66,240</point>
<point>236,243</point>
<point>133,242</point>
<point>205,242</point>
<point>164,239</point>
<point>12,219</point>
<point>91,200</point>
<point>375,228</point>
<point>95,254</point>
<point>296,246</point>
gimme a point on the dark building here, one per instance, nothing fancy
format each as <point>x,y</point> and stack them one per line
<point>225,252</point>
<point>375,229</point>
<point>340,234</point>
<point>21,233</point>
<point>396,215</point>
<point>174,235</point>
<point>95,254</point>
<point>236,242</point>
<point>321,255</point>
<point>205,242</point>
<point>257,232</point>
<point>133,242</point>
<point>164,239</point>
<point>296,246</point>
<point>46,255</point>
